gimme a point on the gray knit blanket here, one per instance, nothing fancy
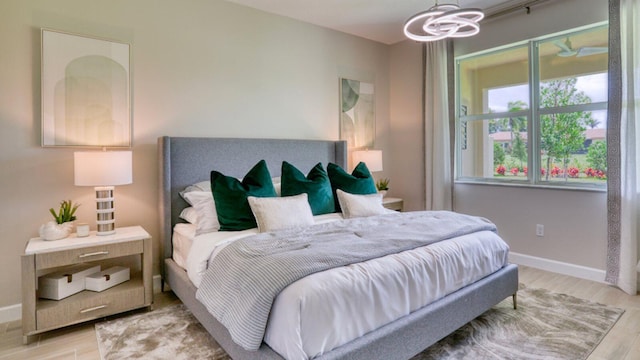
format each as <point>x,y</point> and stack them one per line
<point>244,278</point>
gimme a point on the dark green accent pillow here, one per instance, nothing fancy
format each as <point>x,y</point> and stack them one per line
<point>316,185</point>
<point>360,181</point>
<point>230,195</point>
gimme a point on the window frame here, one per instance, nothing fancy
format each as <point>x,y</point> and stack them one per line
<point>533,115</point>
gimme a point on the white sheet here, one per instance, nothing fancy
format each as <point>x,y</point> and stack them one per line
<point>330,308</point>
<point>182,239</point>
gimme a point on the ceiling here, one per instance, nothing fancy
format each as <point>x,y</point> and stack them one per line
<point>378,20</point>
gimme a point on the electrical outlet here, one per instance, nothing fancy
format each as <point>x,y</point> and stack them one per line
<point>539,230</point>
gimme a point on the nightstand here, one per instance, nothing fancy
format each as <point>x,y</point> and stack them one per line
<point>392,203</point>
<point>129,246</point>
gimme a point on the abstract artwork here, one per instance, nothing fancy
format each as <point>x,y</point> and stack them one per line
<point>357,113</point>
<point>85,91</point>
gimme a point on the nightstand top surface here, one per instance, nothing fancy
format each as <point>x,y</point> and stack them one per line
<point>123,234</point>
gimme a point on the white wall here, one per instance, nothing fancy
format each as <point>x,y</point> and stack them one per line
<point>199,68</point>
<point>575,221</point>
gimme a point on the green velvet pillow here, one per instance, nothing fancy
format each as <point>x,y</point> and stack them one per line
<point>360,181</point>
<point>230,194</point>
<point>316,185</point>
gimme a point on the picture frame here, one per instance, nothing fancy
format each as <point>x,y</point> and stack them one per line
<point>357,113</point>
<point>85,90</point>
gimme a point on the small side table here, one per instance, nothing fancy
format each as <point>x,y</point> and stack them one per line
<point>392,203</point>
<point>128,245</point>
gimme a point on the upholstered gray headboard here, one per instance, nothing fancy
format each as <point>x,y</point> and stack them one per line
<point>187,160</point>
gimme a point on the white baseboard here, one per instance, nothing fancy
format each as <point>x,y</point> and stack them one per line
<point>559,267</point>
<point>14,312</point>
<point>10,313</point>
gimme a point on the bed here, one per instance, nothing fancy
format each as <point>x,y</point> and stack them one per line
<point>184,161</point>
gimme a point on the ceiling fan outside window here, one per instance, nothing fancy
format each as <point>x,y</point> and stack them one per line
<point>566,50</point>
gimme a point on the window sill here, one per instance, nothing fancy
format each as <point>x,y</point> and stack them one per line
<point>593,188</point>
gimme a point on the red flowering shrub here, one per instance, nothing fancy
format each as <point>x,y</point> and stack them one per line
<point>501,170</point>
<point>556,171</point>
<point>573,172</point>
<point>525,171</point>
<point>590,172</point>
<point>543,172</point>
<point>515,171</point>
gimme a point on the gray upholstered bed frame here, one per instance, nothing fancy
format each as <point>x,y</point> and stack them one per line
<point>185,161</point>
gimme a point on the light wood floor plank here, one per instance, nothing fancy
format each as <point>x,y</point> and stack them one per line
<point>79,342</point>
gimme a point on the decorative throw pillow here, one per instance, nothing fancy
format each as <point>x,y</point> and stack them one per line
<point>277,184</point>
<point>316,185</point>
<point>359,182</point>
<point>230,196</point>
<point>279,213</point>
<point>207,217</point>
<point>360,205</point>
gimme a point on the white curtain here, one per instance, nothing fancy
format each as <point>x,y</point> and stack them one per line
<point>623,140</point>
<point>438,177</point>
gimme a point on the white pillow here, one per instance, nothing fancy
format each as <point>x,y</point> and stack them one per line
<point>279,213</point>
<point>205,207</point>
<point>190,215</point>
<point>201,186</point>
<point>277,184</point>
<point>353,205</point>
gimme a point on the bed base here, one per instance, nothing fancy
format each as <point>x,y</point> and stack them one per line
<point>401,339</point>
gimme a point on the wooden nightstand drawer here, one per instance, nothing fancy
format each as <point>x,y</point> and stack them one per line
<point>99,252</point>
<point>86,306</point>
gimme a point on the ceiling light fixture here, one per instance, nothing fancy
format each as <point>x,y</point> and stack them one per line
<point>443,21</point>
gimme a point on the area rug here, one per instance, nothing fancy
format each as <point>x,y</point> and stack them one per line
<point>545,326</point>
<point>170,333</point>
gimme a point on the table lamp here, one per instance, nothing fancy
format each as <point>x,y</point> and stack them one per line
<point>103,170</point>
<point>371,158</point>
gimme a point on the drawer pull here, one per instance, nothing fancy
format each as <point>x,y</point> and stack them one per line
<point>94,254</point>
<point>92,309</point>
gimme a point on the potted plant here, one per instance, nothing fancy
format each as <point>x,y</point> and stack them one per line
<point>383,186</point>
<point>62,226</point>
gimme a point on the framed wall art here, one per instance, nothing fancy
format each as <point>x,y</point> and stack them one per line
<point>86,95</point>
<point>357,113</point>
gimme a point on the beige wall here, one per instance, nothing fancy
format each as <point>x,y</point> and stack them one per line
<point>407,131</point>
<point>199,68</point>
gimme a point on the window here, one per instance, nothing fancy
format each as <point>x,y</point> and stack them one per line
<point>540,104</point>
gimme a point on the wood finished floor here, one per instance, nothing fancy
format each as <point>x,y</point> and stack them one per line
<point>79,341</point>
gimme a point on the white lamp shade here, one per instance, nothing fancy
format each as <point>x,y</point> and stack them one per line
<point>102,168</point>
<point>372,158</point>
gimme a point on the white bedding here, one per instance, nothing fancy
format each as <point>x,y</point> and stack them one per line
<point>330,308</point>
<point>182,239</point>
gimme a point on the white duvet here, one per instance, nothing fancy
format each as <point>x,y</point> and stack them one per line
<point>327,309</point>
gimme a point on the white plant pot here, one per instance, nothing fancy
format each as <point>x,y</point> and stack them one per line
<point>55,231</point>
<point>383,192</point>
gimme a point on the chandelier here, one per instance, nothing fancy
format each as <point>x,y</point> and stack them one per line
<point>443,21</point>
